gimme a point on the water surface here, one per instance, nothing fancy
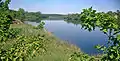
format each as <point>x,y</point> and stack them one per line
<point>84,39</point>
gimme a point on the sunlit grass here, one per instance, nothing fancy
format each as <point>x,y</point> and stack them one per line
<point>56,49</point>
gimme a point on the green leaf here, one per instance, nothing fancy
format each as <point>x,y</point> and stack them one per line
<point>2,58</point>
<point>105,30</point>
<point>20,59</point>
<point>118,37</point>
<point>111,56</point>
<point>98,46</point>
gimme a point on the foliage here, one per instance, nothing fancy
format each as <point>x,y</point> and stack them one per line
<point>90,19</point>
<point>13,33</point>
<point>41,25</point>
<point>118,16</point>
<point>108,23</point>
<point>53,16</point>
<point>4,5</point>
<point>72,18</point>
<point>4,26</point>
<point>75,18</point>
<point>55,49</point>
<point>18,46</point>
<point>33,16</point>
<point>5,21</point>
<point>78,56</point>
<point>24,48</point>
<point>23,15</point>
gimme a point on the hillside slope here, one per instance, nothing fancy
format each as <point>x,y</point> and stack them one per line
<point>56,49</point>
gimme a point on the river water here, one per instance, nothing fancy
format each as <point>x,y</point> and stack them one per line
<point>84,39</point>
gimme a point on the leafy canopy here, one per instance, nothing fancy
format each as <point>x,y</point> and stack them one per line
<point>90,19</point>
<point>5,20</point>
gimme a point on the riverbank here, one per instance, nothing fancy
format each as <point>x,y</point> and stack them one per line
<point>56,50</point>
<point>85,40</point>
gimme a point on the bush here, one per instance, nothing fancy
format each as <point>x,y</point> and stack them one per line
<point>41,25</point>
<point>90,19</point>
<point>23,49</point>
<point>78,56</point>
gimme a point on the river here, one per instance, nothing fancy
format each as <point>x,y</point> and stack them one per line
<point>84,39</point>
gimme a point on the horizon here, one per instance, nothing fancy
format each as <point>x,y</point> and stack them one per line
<point>64,6</point>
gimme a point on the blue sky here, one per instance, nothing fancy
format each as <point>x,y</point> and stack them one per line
<point>64,6</point>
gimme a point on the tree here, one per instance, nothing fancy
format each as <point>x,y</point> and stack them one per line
<point>24,46</point>
<point>1,3</point>
<point>21,14</point>
<point>90,19</point>
<point>5,21</point>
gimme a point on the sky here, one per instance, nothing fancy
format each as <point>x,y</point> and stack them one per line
<point>64,6</point>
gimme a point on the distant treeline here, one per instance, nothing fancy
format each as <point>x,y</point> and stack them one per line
<point>23,15</point>
<point>75,18</point>
<point>53,16</point>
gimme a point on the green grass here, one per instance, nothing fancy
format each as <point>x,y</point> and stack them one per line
<point>56,49</point>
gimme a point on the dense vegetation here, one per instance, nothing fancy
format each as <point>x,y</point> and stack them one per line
<point>23,15</point>
<point>23,46</point>
<point>22,42</point>
<point>72,18</point>
<point>75,18</point>
<point>108,23</point>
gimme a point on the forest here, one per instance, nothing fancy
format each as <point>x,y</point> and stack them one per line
<point>75,18</point>
<point>23,15</point>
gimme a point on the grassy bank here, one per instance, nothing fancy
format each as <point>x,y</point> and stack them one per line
<point>55,49</point>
